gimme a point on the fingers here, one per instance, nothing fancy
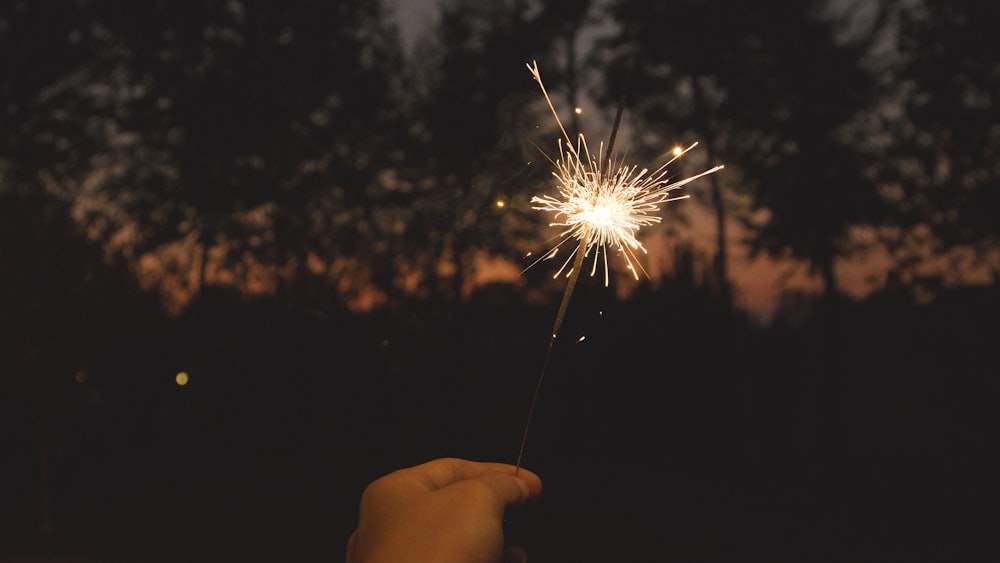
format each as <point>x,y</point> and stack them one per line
<point>508,485</point>
<point>533,481</point>
<point>440,473</point>
<point>506,488</point>
<point>442,494</point>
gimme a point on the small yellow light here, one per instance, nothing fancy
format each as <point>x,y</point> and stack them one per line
<point>578,110</point>
<point>81,376</point>
<point>181,378</point>
<point>500,203</point>
<point>678,151</point>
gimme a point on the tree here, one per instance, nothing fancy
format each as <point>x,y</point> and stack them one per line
<point>766,86</point>
<point>783,94</point>
<point>243,137</point>
<point>659,60</point>
<point>480,160</point>
<point>943,167</point>
<point>63,314</point>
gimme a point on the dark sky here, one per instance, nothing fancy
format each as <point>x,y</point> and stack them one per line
<point>414,16</point>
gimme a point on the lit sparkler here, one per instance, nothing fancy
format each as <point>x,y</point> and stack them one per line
<point>602,203</point>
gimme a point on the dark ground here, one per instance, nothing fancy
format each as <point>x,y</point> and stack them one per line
<point>670,434</point>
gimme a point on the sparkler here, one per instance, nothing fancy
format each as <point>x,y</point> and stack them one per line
<point>602,203</point>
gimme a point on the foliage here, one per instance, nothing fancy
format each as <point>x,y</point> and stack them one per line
<point>765,83</point>
<point>942,165</point>
<point>232,141</point>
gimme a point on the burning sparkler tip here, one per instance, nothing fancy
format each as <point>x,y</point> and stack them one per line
<point>602,203</point>
<point>599,206</point>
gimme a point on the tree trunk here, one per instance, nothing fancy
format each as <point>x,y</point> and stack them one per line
<point>721,261</point>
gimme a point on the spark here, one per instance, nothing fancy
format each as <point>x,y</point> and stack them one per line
<point>602,202</point>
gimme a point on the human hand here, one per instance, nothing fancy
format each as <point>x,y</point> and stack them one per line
<point>444,511</point>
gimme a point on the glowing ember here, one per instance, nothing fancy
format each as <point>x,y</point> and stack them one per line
<point>599,209</point>
<point>603,209</point>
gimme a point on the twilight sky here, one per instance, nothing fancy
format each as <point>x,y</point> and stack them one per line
<point>758,282</point>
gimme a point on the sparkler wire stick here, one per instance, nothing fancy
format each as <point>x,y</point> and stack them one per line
<point>570,284</point>
<point>581,252</point>
<point>601,207</point>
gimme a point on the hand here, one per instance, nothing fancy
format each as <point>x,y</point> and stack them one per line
<point>446,511</point>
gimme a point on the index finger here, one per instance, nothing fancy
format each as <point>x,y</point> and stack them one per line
<point>440,473</point>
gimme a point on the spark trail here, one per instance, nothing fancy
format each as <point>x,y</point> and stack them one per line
<point>602,203</point>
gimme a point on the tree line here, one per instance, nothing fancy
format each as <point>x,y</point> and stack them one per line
<point>299,149</point>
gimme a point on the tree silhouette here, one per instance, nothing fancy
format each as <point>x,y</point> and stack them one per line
<point>666,60</point>
<point>764,84</point>
<point>247,134</point>
<point>64,313</point>
<point>473,148</point>
<point>943,166</point>
<point>784,96</point>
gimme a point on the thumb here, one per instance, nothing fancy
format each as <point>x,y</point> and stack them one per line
<point>510,489</point>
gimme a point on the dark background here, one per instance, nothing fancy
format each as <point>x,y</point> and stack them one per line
<point>291,206</point>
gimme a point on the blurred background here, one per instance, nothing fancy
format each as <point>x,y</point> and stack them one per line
<point>254,255</point>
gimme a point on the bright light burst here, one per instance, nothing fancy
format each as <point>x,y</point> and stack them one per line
<point>602,202</point>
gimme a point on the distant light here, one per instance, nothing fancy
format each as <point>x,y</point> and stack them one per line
<point>181,378</point>
<point>582,338</point>
<point>678,151</point>
<point>500,203</point>
<point>578,110</point>
<point>81,376</point>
